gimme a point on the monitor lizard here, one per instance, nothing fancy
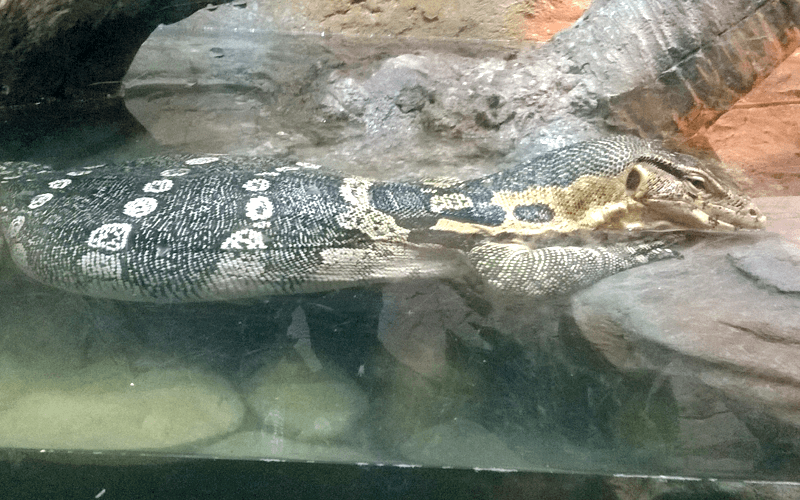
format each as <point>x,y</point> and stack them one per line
<point>216,227</point>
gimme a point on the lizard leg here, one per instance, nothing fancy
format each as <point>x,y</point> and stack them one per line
<point>520,270</point>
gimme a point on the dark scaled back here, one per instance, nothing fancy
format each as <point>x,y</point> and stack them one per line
<point>560,168</point>
<point>164,227</point>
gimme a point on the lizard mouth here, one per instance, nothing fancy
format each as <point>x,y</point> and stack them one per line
<point>691,214</point>
<point>691,198</point>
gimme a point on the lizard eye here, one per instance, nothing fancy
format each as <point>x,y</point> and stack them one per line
<point>697,183</point>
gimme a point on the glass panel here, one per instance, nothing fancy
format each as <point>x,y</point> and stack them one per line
<point>684,367</point>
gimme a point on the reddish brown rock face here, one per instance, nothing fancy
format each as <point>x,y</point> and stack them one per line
<point>761,134</point>
<point>551,16</point>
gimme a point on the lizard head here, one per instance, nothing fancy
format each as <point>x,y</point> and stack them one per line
<point>690,193</point>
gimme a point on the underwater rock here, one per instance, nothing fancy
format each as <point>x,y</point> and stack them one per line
<point>296,401</point>
<point>260,444</point>
<point>106,406</point>
<point>414,322</point>
<point>624,487</point>
<point>721,316</point>
<point>709,430</point>
<point>461,443</point>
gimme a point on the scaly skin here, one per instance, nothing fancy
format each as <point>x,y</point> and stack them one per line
<point>219,228</point>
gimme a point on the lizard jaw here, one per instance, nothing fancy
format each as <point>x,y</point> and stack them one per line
<point>692,201</point>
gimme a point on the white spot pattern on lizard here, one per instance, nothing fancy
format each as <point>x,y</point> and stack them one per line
<point>258,208</point>
<point>16,226</point>
<point>140,207</point>
<point>60,183</point>
<point>111,237</point>
<point>256,185</point>
<point>158,186</point>
<point>39,200</point>
<point>244,239</point>
<point>203,160</point>
<point>175,172</point>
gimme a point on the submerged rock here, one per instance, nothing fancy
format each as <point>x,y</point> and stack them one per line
<point>106,406</point>
<point>259,444</point>
<point>461,443</point>
<point>726,316</point>
<point>297,402</point>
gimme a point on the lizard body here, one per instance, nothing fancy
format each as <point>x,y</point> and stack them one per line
<point>200,228</point>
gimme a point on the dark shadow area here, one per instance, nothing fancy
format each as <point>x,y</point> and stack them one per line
<point>66,133</point>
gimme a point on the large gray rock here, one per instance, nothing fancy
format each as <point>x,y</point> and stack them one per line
<point>726,316</point>
<point>373,107</point>
<point>678,65</point>
<point>659,69</point>
<point>656,68</point>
